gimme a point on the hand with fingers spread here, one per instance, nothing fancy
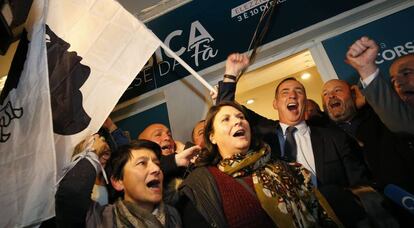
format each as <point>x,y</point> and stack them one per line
<point>235,64</point>
<point>183,158</point>
<point>361,56</point>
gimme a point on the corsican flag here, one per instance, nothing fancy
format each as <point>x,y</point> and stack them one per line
<point>81,56</point>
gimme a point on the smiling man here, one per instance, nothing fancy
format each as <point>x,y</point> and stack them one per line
<point>376,142</point>
<point>171,159</point>
<point>135,171</point>
<point>161,135</point>
<point>315,146</point>
<point>173,163</point>
<point>338,100</point>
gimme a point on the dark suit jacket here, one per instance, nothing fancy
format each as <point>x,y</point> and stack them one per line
<point>389,156</point>
<point>334,161</point>
<point>397,115</point>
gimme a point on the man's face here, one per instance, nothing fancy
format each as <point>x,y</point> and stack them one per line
<point>290,102</point>
<point>337,100</point>
<point>402,78</point>
<point>161,135</point>
<point>198,134</point>
<point>142,179</point>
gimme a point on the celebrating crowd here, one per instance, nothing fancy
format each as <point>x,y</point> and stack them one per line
<point>310,168</point>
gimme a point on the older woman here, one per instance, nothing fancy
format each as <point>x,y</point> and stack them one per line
<point>135,171</point>
<point>237,185</point>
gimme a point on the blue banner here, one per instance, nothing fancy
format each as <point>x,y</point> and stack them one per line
<point>204,33</point>
<point>137,123</point>
<point>392,33</point>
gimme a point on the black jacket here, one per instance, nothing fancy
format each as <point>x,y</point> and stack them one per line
<point>389,155</point>
<point>200,202</point>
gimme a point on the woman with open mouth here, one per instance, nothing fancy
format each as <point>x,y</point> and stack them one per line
<point>237,184</point>
<point>135,172</point>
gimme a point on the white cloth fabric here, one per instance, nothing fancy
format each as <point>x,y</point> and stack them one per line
<point>115,46</point>
<point>100,194</point>
<point>27,157</point>
<point>108,38</point>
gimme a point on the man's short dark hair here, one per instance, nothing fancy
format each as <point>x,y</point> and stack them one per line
<point>284,80</point>
<point>124,153</point>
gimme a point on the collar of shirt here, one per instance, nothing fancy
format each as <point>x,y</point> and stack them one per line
<point>302,128</point>
<point>304,145</point>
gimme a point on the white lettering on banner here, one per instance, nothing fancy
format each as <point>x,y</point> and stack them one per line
<point>194,42</point>
<point>252,8</point>
<point>147,74</point>
<point>168,40</point>
<point>246,6</point>
<point>389,54</point>
<point>199,42</point>
<point>163,66</point>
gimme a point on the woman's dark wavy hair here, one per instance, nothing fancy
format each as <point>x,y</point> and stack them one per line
<point>124,153</point>
<point>210,155</point>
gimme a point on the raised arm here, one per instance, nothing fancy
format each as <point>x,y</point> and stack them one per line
<point>117,136</point>
<point>361,56</point>
<point>393,112</point>
<point>235,64</point>
<point>265,128</point>
<point>73,197</point>
<point>397,115</point>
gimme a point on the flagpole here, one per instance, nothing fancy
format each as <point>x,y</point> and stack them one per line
<point>186,66</point>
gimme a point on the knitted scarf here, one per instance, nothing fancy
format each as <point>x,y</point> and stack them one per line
<point>283,189</point>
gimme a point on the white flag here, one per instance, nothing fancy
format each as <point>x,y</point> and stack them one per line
<point>94,49</point>
<point>107,47</point>
<point>27,154</point>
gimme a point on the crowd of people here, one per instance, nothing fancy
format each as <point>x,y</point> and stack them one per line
<point>310,168</point>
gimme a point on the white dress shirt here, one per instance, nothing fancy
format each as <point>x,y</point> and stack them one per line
<point>365,82</point>
<point>304,147</point>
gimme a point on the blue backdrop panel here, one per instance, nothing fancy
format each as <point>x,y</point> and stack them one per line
<point>204,33</point>
<point>391,33</point>
<point>136,123</point>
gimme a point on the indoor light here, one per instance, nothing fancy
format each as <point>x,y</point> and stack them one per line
<point>250,101</point>
<point>305,75</point>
